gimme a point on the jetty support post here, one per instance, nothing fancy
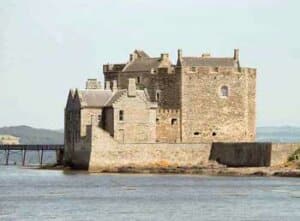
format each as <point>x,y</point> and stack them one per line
<point>23,157</point>
<point>59,156</point>
<point>41,154</point>
<point>7,157</point>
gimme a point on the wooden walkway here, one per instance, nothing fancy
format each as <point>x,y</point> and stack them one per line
<point>40,148</point>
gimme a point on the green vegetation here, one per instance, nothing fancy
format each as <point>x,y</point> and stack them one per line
<point>295,156</point>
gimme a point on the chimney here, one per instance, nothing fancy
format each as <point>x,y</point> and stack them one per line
<point>115,86</point>
<point>179,54</point>
<point>107,85</point>
<point>205,55</point>
<point>164,56</point>
<point>92,84</point>
<point>133,56</point>
<point>131,87</point>
<point>236,54</point>
<point>179,57</point>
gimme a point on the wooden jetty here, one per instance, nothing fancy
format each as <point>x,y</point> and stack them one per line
<point>40,148</point>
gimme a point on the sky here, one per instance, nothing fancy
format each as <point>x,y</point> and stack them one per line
<point>50,46</point>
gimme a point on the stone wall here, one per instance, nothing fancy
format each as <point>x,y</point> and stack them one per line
<point>72,125</point>
<point>207,116</point>
<point>242,154</point>
<point>138,123</point>
<point>86,116</point>
<point>80,158</point>
<point>100,152</point>
<point>281,152</point>
<point>168,125</point>
<point>251,110</point>
<point>108,155</point>
<point>166,84</point>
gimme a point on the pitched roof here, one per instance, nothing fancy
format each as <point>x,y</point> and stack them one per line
<point>208,61</point>
<point>114,98</point>
<point>94,98</point>
<point>118,94</point>
<point>143,64</point>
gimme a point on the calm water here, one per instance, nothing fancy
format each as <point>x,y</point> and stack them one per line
<point>28,194</point>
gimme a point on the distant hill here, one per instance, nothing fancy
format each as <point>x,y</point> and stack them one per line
<point>284,134</point>
<point>29,135</point>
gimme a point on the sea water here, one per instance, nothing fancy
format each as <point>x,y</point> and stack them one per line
<point>34,194</point>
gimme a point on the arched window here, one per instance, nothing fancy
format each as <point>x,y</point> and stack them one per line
<point>224,91</point>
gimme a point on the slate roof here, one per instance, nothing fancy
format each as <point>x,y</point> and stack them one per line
<point>143,64</point>
<point>115,97</point>
<point>208,61</point>
<point>94,98</point>
<point>118,94</point>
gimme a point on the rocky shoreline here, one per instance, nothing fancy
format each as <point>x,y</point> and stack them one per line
<point>213,169</point>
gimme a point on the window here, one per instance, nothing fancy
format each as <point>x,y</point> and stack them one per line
<point>157,95</point>
<point>196,133</point>
<point>157,120</point>
<point>224,91</point>
<point>214,134</point>
<point>173,121</point>
<point>121,115</point>
<point>138,79</point>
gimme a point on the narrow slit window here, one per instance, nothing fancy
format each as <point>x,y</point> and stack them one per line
<point>157,96</point>
<point>121,115</point>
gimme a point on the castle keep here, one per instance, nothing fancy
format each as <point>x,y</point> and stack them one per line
<point>150,100</point>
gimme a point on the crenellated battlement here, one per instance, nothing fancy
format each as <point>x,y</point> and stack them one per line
<point>162,110</point>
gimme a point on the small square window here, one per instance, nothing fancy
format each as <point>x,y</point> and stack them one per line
<point>173,121</point>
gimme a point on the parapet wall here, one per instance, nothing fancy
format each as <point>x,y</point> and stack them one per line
<point>281,152</point>
<point>242,154</point>
<point>105,154</point>
<point>143,156</point>
<point>168,125</point>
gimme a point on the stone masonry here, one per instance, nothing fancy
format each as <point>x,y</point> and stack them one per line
<point>214,97</point>
<point>150,100</point>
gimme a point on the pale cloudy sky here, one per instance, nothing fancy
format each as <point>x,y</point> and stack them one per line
<point>47,47</point>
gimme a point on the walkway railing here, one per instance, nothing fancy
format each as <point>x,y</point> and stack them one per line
<point>40,148</point>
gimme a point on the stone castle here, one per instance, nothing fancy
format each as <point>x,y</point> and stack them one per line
<point>150,100</point>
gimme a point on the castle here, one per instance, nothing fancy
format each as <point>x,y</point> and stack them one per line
<point>150,100</point>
